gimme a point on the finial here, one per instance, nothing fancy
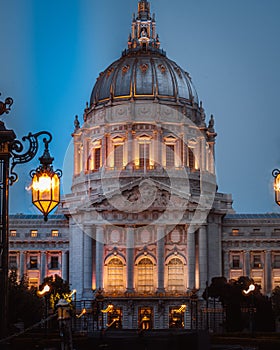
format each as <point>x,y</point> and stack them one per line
<point>211,123</point>
<point>76,123</point>
<point>5,107</point>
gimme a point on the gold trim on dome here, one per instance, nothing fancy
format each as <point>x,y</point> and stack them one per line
<point>162,68</point>
<point>144,67</point>
<point>110,71</point>
<point>178,71</point>
<point>125,68</point>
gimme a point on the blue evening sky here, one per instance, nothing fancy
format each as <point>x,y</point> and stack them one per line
<point>53,50</point>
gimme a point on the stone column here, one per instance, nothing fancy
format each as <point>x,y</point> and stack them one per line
<point>64,265</point>
<point>267,273</point>
<point>76,157</point>
<point>43,266</point>
<point>103,150</point>
<point>160,258</point>
<point>202,154</point>
<point>99,256</point>
<point>87,262</point>
<point>203,271</point>
<point>226,266</point>
<point>159,146</point>
<point>191,258</point>
<point>130,259</point>
<point>130,157</point>
<point>22,263</point>
<point>246,257</point>
<point>76,254</point>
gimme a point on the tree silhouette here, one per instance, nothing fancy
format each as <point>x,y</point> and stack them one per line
<point>239,306</point>
<point>24,304</point>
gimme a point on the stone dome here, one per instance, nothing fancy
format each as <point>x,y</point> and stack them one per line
<point>144,74</point>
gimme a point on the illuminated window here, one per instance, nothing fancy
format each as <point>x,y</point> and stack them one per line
<point>258,280</point>
<point>276,232</point>
<point>191,159</point>
<point>34,233</point>
<point>54,264</point>
<point>276,282</point>
<point>257,261</point>
<point>276,262</point>
<point>235,261</point>
<point>97,158</point>
<point>115,275</point>
<point>118,156</point>
<point>145,276</point>
<point>13,262</point>
<point>55,233</point>
<point>175,275</point>
<point>235,231</point>
<point>13,233</point>
<point>33,262</point>
<point>144,155</point>
<point>33,283</point>
<point>170,156</point>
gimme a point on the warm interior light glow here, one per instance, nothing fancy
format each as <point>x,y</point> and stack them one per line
<point>45,290</point>
<point>277,183</point>
<point>277,187</point>
<point>182,308</point>
<point>83,312</point>
<point>251,289</point>
<point>43,183</point>
<point>45,191</point>
<point>72,293</point>
<point>109,308</point>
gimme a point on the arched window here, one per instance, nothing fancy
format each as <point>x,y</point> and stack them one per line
<point>115,282</point>
<point>118,156</point>
<point>191,158</point>
<point>175,275</point>
<point>170,156</point>
<point>145,270</point>
<point>96,158</point>
<point>144,155</point>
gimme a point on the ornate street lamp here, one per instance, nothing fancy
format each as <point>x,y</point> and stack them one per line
<point>45,184</point>
<point>45,197</point>
<point>276,175</point>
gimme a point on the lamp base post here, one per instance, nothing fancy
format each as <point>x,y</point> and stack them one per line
<point>6,139</point>
<point>12,153</point>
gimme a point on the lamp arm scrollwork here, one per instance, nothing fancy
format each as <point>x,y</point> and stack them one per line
<point>17,148</point>
<point>275,172</point>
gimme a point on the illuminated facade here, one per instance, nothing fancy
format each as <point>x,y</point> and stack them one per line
<point>145,217</point>
<point>38,250</point>
<point>144,225</point>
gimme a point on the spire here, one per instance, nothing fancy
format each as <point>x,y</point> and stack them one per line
<point>144,10</point>
<point>143,31</point>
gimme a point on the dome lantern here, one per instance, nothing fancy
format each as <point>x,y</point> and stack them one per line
<point>143,34</point>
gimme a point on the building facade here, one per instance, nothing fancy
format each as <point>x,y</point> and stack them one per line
<point>144,227</point>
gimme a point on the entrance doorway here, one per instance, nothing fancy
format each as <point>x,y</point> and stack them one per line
<point>145,318</point>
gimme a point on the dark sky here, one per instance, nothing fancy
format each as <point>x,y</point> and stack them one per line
<point>53,50</point>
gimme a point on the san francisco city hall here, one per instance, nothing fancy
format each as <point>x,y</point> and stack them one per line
<point>144,227</point>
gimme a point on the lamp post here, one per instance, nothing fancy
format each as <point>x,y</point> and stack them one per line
<point>276,175</point>
<point>250,293</point>
<point>45,198</point>
<point>43,293</point>
<point>64,322</point>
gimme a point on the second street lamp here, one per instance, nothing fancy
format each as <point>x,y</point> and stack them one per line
<point>276,175</point>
